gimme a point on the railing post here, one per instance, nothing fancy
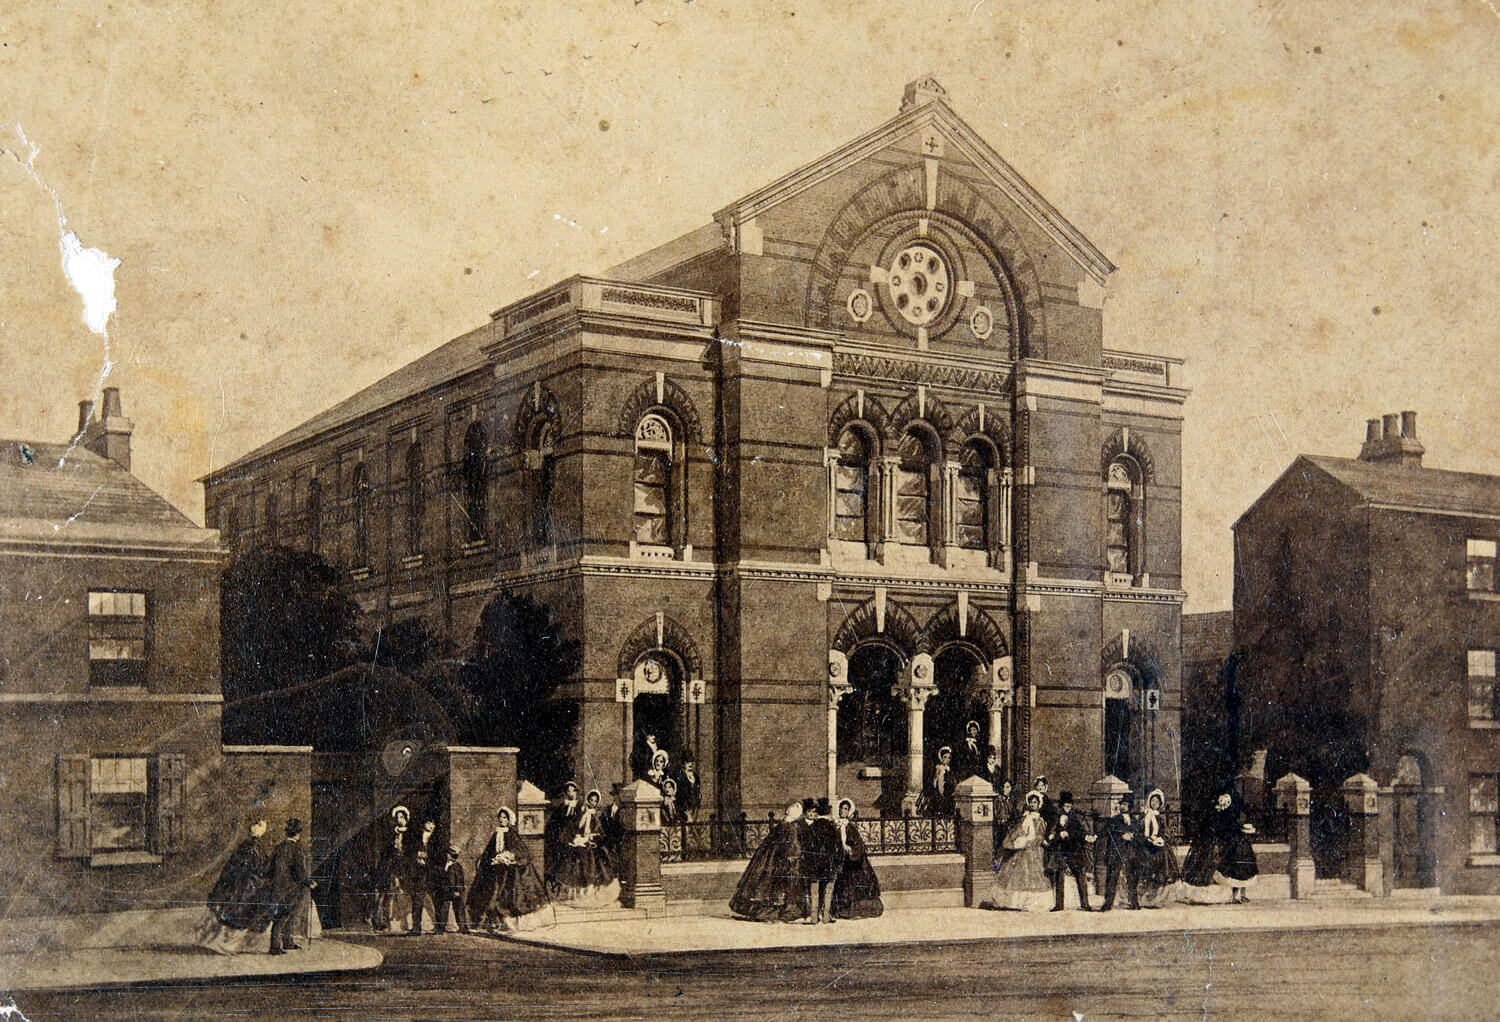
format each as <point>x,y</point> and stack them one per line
<point>531,823</point>
<point>975,800</point>
<point>1294,797</point>
<point>1362,865</point>
<point>640,856</point>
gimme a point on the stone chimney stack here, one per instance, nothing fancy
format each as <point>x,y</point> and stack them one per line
<point>1392,440</point>
<point>107,434</point>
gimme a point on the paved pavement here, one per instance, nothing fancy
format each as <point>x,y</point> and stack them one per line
<point>697,934</point>
<point>97,967</point>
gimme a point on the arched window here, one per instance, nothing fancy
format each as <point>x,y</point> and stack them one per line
<point>272,535</point>
<point>475,474</point>
<point>360,485</point>
<point>415,500</point>
<point>973,510</point>
<point>653,481</point>
<point>540,461</point>
<point>1124,520</point>
<point>314,516</point>
<point>851,483</point>
<point>914,488</point>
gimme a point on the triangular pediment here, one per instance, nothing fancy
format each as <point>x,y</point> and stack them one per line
<point>926,116</point>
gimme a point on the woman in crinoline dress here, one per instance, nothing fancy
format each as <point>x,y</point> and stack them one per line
<point>586,874</point>
<point>1020,882</point>
<point>773,889</point>
<point>856,893</point>
<point>1222,856</point>
<point>508,891</point>
<point>391,908</point>
<point>1158,870</point>
<point>238,913</point>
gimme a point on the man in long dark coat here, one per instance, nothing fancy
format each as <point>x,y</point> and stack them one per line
<point>1068,841</point>
<point>1122,841</point>
<point>289,878</point>
<point>822,856</point>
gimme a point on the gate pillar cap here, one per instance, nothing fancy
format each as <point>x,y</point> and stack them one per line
<point>1108,785</point>
<point>529,794</point>
<point>974,787</point>
<point>1360,783</point>
<point>1291,782</point>
<point>640,793</point>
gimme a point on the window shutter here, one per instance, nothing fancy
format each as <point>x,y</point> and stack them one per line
<point>73,807</point>
<point>168,793</point>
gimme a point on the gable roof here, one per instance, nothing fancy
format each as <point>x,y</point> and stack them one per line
<point>61,492</point>
<point>934,112</point>
<point>1433,490</point>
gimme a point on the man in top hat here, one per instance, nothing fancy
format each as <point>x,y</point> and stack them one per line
<point>1122,840</point>
<point>289,878</point>
<point>822,857</point>
<point>1067,851</point>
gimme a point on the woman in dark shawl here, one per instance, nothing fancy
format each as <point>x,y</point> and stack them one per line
<point>1223,854</point>
<point>1157,860</point>
<point>856,893</point>
<point>772,889</point>
<point>507,889</point>
<point>238,907</point>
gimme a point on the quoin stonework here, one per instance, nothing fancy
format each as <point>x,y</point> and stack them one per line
<point>814,486</point>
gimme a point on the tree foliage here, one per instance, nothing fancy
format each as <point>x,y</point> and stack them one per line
<point>506,687</point>
<point>284,621</point>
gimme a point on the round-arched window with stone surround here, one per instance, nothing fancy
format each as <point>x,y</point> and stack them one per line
<point>652,514</point>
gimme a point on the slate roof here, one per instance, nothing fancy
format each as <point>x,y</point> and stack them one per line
<point>59,492</point>
<point>452,360</point>
<point>1432,489</point>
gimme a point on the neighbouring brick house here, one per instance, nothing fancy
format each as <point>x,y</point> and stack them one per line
<point>813,486</point>
<point>1367,621</point>
<point>119,795</point>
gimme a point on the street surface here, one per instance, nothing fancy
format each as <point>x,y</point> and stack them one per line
<point>1447,971</point>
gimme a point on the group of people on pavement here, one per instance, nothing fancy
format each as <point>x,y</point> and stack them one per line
<point>262,902</point>
<point>581,845</point>
<point>812,867</point>
<point>1051,841</point>
<point>419,882</point>
<point>681,790</point>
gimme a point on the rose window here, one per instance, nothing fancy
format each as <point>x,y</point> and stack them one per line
<point>918,283</point>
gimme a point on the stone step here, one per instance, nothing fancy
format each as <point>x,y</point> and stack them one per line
<point>609,913</point>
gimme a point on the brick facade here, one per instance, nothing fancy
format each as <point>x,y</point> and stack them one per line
<point>871,462</point>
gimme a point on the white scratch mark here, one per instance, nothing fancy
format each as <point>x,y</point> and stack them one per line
<point>971,18</point>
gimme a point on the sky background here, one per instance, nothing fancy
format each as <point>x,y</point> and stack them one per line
<point>1303,199</point>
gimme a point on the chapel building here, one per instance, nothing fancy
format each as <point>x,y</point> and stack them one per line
<point>814,486</point>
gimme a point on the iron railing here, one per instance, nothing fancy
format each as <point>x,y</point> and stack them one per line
<point>738,838</point>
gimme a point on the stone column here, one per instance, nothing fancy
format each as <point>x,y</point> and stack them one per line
<point>640,855</point>
<point>1007,484</point>
<point>888,467</point>
<point>995,701</point>
<point>1362,853</point>
<point>1104,799</point>
<point>831,463</point>
<point>1294,797</point>
<point>917,684</point>
<point>838,688</point>
<point>531,823</point>
<point>948,505</point>
<point>975,800</point>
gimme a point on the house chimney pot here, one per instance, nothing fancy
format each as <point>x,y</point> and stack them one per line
<point>1409,424</point>
<point>1392,426</point>
<point>111,403</point>
<point>85,413</point>
<point>107,434</point>
<point>1372,430</point>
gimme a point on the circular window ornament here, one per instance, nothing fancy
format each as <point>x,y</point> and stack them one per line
<point>860,305</point>
<point>982,323</point>
<point>918,283</point>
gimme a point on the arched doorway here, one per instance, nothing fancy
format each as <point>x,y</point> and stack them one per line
<point>871,730</point>
<point>660,714</point>
<point>1413,824</point>
<point>961,677</point>
<point>1131,702</point>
